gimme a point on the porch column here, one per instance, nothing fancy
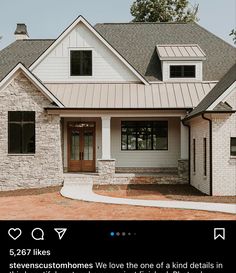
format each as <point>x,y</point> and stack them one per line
<point>106,165</point>
<point>183,162</point>
<point>106,137</point>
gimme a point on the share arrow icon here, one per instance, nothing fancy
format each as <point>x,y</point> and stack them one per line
<point>61,232</point>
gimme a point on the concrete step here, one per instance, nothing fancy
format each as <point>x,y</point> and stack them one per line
<point>81,180</point>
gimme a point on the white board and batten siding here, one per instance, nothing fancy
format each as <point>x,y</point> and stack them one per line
<point>55,67</point>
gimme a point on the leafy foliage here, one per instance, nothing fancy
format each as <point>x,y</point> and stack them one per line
<point>163,11</point>
<point>233,33</point>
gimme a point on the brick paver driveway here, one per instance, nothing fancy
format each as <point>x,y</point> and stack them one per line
<point>49,204</point>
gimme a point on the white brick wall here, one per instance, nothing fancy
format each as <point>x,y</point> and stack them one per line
<point>200,130</point>
<point>224,166</point>
<point>44,168</point>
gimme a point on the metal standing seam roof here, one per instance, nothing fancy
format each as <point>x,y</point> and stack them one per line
<point>176,51</point>
<point>128,96</point>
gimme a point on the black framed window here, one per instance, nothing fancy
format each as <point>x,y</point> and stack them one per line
<point>21,132</point>
<point>205,156</point>
<point>81,63</point>
<point>182,71</point>
<point>194,155</point>
<point>233,146</point>
<point>144,135</point>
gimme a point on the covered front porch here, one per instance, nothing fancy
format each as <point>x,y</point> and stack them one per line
<point>124,146</point>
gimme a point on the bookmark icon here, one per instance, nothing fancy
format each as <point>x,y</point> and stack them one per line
<point>61,232</point>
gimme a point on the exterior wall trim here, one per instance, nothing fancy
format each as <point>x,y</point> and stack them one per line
<point>211,152</point>
<point>189,150</point>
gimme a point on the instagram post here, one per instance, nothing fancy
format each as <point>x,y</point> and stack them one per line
<point>117,136</point>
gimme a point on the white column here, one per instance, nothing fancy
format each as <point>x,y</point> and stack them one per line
<point>106,137</point>
<point>183,141</point>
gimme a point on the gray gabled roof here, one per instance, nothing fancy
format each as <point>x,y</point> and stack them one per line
<point>24,51</point>
<point>137,43</point>
<point>215,93</point>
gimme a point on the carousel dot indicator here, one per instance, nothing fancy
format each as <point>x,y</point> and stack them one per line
<point>112,234</point>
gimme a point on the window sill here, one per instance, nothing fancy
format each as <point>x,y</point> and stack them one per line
<point>82,77</point>
<point>20,154</point>
<point>233,157</point>
<point>166,150</point>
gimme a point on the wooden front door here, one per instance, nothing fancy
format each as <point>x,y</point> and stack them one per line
<point>81,147</point>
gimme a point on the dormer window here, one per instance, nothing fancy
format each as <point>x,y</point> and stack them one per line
<point>81,62</point>
<point>181,62</point>
<point>182,71</point>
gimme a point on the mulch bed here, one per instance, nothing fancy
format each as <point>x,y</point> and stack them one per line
<point>162,192</point>
<point>24,192</point>
<point>155,192</point>
<point>48,204</point>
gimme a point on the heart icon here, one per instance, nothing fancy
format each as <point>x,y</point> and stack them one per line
<point>14,233</point>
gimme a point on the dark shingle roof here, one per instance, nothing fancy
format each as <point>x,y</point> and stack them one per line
<point>25,51</point>
<point>137,43</point>
<point>215,93</point>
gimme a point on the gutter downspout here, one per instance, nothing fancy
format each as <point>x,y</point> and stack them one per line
<point>189,151</point>
<point>210,156</point>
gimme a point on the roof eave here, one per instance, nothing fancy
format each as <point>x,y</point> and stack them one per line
<point>209,112</point>
<point>182,58</point>
<point>31,77</point>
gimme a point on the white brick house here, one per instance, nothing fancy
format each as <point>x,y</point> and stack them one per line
<point>116,100</point>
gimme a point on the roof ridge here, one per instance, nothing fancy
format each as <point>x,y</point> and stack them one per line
<point>144,23</point>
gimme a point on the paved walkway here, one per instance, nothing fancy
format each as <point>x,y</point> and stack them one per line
<point>84,192</point>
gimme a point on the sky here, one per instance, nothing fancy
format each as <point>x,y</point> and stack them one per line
<point>48,18</point>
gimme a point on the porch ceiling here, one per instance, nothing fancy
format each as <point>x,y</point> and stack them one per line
<point>130,96</point>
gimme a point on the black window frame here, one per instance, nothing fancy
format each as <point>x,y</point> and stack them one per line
<point>148,132</point>
<point>22,122</point>
<point>205,156</point>
<point>81,64</point>
<point>232,153</point>
<point>183,73</point>
<point>194,155</point>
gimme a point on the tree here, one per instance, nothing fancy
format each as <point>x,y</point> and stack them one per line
<point>233,33</point>
<point>164,11</point>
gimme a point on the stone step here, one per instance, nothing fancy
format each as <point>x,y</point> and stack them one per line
<point>128,178</point>
<point>147,170</point>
